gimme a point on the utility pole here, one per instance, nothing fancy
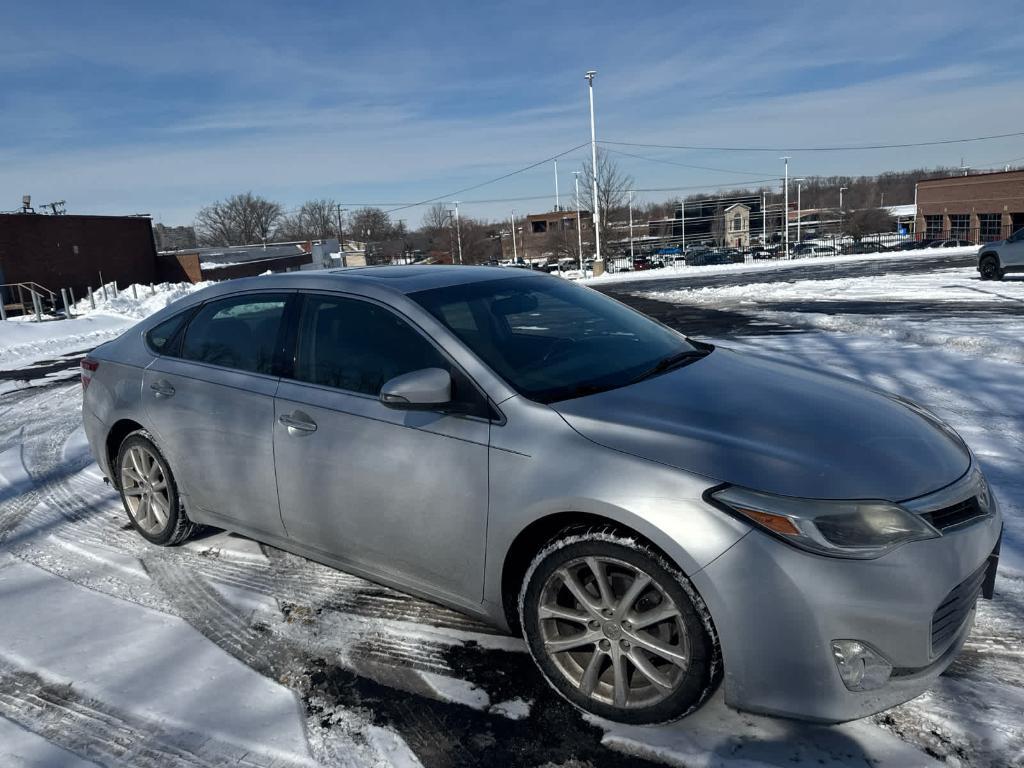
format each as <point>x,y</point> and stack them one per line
<point>632,258</point>
<point>579,227</point>
<point>785,212</point>
<point>593,168</point>
<point>458,230</point>
<point>558,207</point>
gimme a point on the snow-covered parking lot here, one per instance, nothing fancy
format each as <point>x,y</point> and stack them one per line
<point>225,652</point>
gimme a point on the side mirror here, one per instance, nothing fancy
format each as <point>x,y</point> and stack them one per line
<point>422,389</point>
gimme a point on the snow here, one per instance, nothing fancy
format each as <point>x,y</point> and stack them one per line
<point>152,664</point>
<point>24,341</point>
<point>24,749</point>
<point>772,267</point>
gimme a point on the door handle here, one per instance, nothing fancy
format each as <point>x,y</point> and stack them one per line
<point>161,389</point>
<point>298,424</point>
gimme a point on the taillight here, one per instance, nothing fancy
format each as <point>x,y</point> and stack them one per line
<point>89,367</point>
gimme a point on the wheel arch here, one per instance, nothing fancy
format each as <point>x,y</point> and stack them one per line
<point>538,533</point>
<point>989,254</point>
<point>115,436</point>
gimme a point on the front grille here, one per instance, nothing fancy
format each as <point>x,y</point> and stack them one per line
<point>953,611</point>
<point>955,514</point>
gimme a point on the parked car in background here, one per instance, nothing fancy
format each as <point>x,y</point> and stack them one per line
<point>540,456</point>
<point>803,250</point>
<point>997,259</point>
<point>864,246</point>
<point>707,256</point>
<point>953,244</point>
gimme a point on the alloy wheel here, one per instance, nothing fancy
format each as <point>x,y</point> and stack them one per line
<point>613,632</point>
<point>145,490</point>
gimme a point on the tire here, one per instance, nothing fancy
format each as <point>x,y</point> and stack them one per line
<point>149,492</point>
<point>598,655</point>
<point>989,268</point>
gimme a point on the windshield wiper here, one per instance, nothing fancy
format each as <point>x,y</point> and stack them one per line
<point>672,361</point>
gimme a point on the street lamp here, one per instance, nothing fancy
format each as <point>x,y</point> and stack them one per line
<point>799,186</point>
<point>841,190</point>
<point>785,211</point>
<point>458,230</point>
<point>632,259</point>
<point>593,166</point>
<point>579,227</point>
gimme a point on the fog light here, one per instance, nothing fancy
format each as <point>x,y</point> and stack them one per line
<point>861,667</point>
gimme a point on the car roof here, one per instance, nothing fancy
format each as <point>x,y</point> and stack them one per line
<point>415,277</point>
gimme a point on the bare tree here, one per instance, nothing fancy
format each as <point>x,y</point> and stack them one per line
<point>436,217</point>
<point>315,220</point>
<point>372,225</point>
<point>868,221</point>
<point>242,219</point>
<point>613,186</point>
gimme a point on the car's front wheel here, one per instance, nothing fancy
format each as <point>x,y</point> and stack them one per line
<point>149,493</point>
<point>617,630</point>
<point>989,268</point>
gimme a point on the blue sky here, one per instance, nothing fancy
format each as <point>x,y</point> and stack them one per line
<point>161,108</point>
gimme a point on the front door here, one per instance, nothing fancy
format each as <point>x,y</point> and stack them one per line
<point>396,493</point>
<point>211,405</point>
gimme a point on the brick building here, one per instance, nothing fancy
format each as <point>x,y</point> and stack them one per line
<point>548,235</point>
<point>980,207</point>
<point>70,251</point>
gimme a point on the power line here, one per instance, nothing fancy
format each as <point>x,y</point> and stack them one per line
<point>449,195</point>
<point>841,148</point>
<point>686,165</point>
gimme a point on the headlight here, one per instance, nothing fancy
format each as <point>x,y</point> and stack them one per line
<point>855,529</point>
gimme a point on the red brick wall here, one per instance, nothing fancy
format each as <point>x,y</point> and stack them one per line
<point>42,249</point>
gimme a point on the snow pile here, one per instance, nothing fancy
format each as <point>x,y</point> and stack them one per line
<point>24,342</point>
<point>150,299</point>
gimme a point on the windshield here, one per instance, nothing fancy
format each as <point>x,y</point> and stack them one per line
<point>552,340</point>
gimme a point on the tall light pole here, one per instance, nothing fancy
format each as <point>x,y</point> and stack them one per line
<point>593,167</point>
<point>341,233</point>
<point>632,259</point>
<point>764,220</point>
<point>515,253</point>
<point>799,187</point>
<point>682,222</point>
<point>458,230</point>
<point>841,190</point>
<point>785,212</point>
<point>557,206</point>
<point>579,227</point>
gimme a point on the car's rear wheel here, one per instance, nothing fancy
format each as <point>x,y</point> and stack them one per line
<point>989,269</point>
<point>617,630</point>
<point>149,493</point>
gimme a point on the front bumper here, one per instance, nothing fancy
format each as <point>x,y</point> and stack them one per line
<point>777,610</point>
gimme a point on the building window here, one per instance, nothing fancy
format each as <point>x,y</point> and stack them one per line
<point>960,226</point>
<point>933,226</point>
<point>568,223</point>
<point>737,223</point>
<point>539,227</point>
<point>991,225</point>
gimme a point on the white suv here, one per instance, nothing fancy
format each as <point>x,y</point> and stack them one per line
<point>998,258</point>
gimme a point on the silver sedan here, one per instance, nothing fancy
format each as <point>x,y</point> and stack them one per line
<point>654,514</point>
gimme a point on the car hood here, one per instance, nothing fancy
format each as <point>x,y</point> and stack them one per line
<point>776,428</point>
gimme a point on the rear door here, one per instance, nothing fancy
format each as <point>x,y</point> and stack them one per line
<point>210,402</point>
<point>396,493</point>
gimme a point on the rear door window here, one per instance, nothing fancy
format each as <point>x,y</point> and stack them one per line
<point>238,332</point>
